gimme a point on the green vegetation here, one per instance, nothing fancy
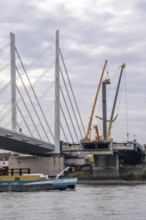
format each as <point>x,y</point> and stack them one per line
<point>135,176</point>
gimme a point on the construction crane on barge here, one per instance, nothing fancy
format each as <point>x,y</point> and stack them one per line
<point>112,118</point>
<point>98,137</point>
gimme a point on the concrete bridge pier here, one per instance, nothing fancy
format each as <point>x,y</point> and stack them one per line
<point>49,165</point>
<point>106,166</point>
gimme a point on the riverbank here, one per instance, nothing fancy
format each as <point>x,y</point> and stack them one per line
<point>111,182</point>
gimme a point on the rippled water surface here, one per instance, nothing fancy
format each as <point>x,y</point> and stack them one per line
<point>86,202</point>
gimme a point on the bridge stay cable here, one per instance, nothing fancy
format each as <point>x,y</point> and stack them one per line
<point>31,103</point>
<point>66,123</point>
<point>24,121</point>
<point>38,58</point>
<point>34,84</point>
<point>4,48</point>
<point>5,106</point>
<point>39,78</point>
<point>72,91</point>
<point>18,101</point>
<point>6,113</point>
<point>43,95</point>
<point>45,114</point>
<point>6,86</point>
<point>71,103</point>
<point>69,114</point>
<point>4,67</point>
<point>22,72</point>
<point>28,112</point>
<point>63,132</point>
<point>35,97</point>
<point>41,98</point>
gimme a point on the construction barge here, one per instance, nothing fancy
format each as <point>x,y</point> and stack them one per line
<point>35,182</point>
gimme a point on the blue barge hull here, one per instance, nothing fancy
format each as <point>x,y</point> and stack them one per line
<point>40,185</point>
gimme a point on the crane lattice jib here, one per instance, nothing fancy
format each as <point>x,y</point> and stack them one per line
<point>94,104</point>
<point>114,105</point>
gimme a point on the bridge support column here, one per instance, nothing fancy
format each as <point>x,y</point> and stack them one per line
<point>106,166</point>
<point>104,83</point>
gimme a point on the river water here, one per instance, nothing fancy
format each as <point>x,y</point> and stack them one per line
<point>85,203</point>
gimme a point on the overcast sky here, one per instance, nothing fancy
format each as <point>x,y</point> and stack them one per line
<point>90,32</point>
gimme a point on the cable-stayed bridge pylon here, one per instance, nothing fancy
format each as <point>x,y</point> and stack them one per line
<point>39,107</point>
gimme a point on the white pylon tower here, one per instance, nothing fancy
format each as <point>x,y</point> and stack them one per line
<point>13,81</point>
<point>57,96</point>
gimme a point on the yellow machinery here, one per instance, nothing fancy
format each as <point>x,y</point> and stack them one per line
<point>109,127</point>
<point>97,137</point>
<point>112,118</point>
<point>87,137</point>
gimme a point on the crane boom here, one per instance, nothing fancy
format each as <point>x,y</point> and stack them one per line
<point>114,105</point>
<point>94,104</point>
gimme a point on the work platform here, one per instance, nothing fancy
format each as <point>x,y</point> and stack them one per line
<point>108,156</point>
<point>21,143</point>
<point>129,152</point>
<point>94,148</point>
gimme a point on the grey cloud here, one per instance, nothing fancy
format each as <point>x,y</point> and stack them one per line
<point>122,35</point>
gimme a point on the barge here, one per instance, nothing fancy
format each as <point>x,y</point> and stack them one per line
<point>35,182</point>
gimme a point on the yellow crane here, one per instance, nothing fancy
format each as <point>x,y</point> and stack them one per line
<point>97,136</point>
<point>87,138</point>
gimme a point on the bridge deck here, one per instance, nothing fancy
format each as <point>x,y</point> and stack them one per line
<point>23,144</point>
<point>130,152</point>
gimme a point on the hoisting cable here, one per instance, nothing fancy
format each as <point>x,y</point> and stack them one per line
<point>127,120</point>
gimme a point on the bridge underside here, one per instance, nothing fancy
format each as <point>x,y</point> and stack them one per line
<point>130,153</point>
<point>131,157</point>
<point>23,144</point>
